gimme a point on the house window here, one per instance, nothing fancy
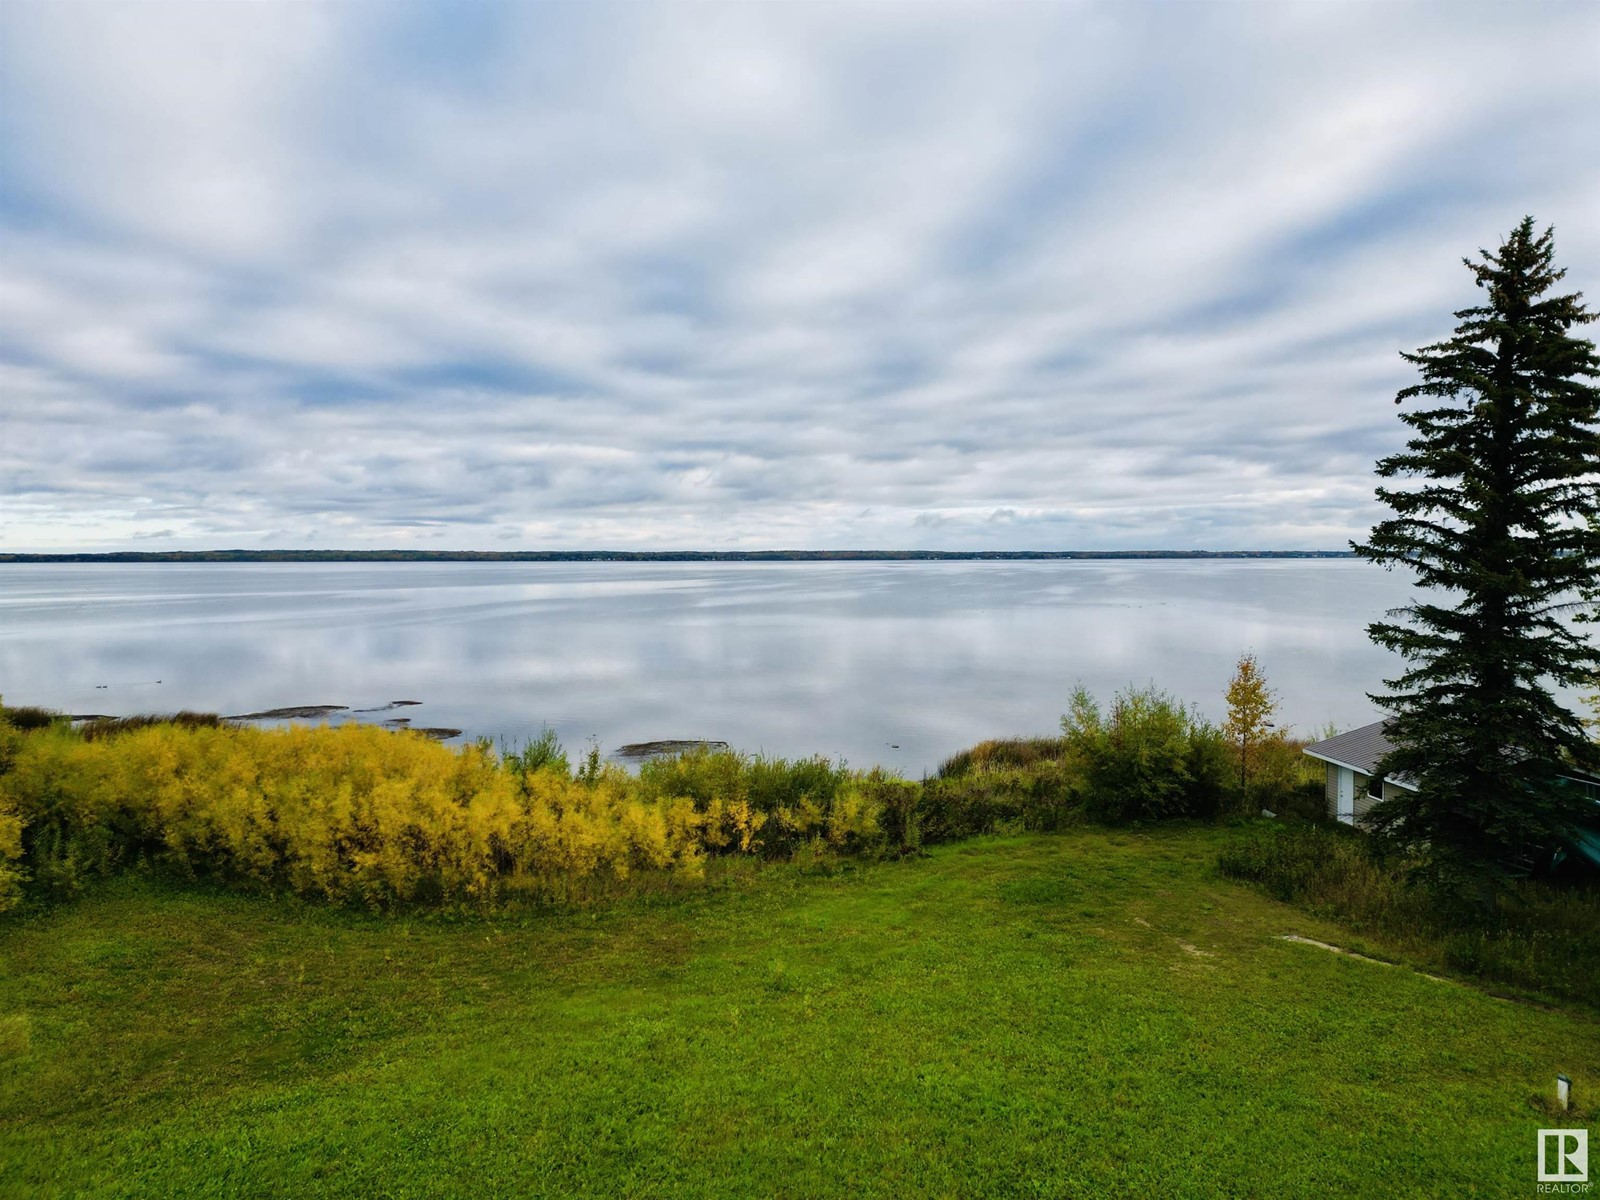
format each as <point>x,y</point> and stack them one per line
<point>1375,787</point>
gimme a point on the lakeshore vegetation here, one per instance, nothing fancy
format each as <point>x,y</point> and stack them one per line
<point>393,822</point>
<point>382,819</point>
<point>354,961</point>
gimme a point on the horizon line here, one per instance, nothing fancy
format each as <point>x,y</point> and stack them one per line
<point>399,555</point>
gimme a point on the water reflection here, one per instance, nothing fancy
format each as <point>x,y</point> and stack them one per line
<point>845,659</point>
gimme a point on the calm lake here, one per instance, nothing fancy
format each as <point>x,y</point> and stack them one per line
<point>898,663</point>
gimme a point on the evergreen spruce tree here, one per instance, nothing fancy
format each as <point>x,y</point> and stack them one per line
<point>1499,529</point>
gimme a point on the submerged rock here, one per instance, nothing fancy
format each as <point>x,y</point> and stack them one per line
<point>669,746</point>
<point>301,711</point>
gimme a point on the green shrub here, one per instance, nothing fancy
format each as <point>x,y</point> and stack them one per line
<point>896,801</point>
<point>1042,798</point>
<point>1148,759</point>
<point>776,783</point>
<point>543,753</point>
<point>700,775</point>
<point>793,801</point>
<point>1283,781</point>
<point>1300,801</point>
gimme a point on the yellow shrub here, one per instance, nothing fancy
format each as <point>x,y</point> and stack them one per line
<point>853,821</point>
<point>358,814</point>
<point>11,873</point>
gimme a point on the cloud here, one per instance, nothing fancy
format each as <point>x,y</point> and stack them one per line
<point>697,275</point>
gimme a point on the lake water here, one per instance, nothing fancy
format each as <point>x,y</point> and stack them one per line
<point>897,663</point>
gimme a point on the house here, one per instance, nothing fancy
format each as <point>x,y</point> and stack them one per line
<point>1353,785</point>
<point>1351,760</point>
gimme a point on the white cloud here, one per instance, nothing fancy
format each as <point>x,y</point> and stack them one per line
<point>807,275</point>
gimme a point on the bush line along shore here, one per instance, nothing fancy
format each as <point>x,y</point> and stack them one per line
<point>390,821</point>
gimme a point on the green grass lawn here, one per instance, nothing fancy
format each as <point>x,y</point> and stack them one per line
<point>1087,1014</point>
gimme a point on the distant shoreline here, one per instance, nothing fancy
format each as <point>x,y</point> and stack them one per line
<point>543,556</point>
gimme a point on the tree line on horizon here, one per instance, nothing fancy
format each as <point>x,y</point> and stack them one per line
<point>636,555</point>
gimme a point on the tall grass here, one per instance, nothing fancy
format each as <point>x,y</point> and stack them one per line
<point>1000,753</point>
<point>104,727</point>
<point>31,716</point>
<point>1534,936</point>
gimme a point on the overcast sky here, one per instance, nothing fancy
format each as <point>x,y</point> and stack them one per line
<point>1003,276</point>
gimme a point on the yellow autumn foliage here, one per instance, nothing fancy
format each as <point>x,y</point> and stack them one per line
<point>365,815</point>
<point>11,868</point>
<point>11,872</point>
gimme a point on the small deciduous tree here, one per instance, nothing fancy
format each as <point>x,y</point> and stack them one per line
<point>1251,706</point>
<point>1497,522</point>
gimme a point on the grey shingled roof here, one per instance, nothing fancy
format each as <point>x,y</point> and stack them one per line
<point>1360,748</point>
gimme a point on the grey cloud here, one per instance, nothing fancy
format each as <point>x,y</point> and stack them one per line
<point>786,275</point>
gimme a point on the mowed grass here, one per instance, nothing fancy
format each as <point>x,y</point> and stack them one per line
<point>1086,1014</point>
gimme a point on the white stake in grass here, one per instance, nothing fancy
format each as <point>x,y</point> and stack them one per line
<point>1563,1091</point>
